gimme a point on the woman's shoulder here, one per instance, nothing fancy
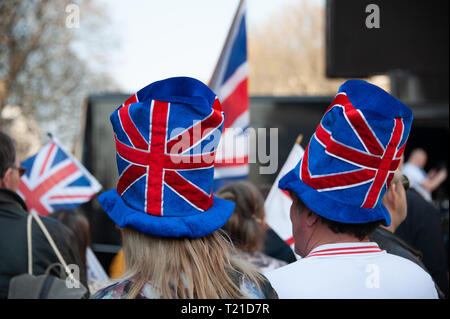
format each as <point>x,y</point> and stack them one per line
<point>121,289</point>
<point>262,291</point>
<point>118,290</point>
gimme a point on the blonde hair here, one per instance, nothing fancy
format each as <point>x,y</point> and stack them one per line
<point>185,268</point>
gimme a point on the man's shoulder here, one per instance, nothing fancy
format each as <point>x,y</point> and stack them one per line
<point>394,245</point>
<point>14,213</point>
<point>411,274</point>
<point>10,201</point>
<point>405,266</point>
<point>319,277</point>
<point>297,267</point>
<point>310,266</point>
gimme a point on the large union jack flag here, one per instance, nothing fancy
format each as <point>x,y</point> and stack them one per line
<point>369,162</point>
<point>54,180</point>
<point>229,81</point>
<point>159,163</point>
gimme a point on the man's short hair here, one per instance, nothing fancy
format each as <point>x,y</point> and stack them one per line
<point>7,153</point>
<point>360,230</point>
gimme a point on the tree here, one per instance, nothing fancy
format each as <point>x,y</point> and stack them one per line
<point>287,53</point>
<point>40,67</point>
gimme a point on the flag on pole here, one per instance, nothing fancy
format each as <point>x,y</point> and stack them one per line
<point>54,180</point>
<point>278,202</point>
<point>229,82</point>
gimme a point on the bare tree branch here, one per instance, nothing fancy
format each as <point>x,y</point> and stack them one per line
<point>40,71</point>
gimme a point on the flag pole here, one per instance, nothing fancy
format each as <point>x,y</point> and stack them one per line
<point>299,139</point>
<point>213,79</point>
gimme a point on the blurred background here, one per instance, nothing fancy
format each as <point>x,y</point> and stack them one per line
<point>66,65</point>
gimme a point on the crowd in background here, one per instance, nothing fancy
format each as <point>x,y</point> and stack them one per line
<point>229,262</point>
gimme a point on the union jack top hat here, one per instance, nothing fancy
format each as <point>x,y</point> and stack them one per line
<point>352,156</point>
<point>166,136</point>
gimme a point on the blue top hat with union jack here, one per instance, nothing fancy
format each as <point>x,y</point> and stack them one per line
<point>166,137</point>
<point>352,156</point>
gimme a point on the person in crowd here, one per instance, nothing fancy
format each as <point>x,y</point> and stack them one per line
<point>13,221</point>
<point>422,182</point>
<point>166,136</point>
<point>337,189</point>
<point>274,246</point>
<point>246,226</point>
<point>78,223</point>
<point>395,201</point>
<point>422,230</point>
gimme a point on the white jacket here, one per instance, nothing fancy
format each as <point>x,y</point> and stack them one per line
<point>352,270</point>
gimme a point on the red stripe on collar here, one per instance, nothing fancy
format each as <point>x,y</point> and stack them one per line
<point>346,251</point>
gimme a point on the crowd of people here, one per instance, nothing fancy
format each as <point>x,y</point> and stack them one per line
<point>359,233</point>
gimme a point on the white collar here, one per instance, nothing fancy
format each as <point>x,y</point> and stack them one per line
<point>346,249</point>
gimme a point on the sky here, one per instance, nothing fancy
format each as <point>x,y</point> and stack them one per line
<point>164,38</point>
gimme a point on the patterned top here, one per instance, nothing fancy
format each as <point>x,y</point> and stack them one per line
<point>120,290</point>
<point>262,261</point>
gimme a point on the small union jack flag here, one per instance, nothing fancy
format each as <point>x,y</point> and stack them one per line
<point>55,180</point>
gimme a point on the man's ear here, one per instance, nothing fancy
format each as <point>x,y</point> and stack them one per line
<point>391,197</point>
<point>5,180</point>
<point>311,217</point>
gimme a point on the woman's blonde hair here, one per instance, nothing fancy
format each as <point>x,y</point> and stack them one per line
<point>185,268</point>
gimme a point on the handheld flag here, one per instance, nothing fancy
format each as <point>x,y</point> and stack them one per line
<point>54,180</point>
<point>94,271</point>
<point>229,82</point>
<point>278,202</point>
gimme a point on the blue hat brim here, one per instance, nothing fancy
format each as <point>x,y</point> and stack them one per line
<point>329,208</point>
<point>192,226</point>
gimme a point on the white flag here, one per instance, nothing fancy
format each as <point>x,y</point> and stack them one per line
<point>95,270</point>
<point>278,202</point>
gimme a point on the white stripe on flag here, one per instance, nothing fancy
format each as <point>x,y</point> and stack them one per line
<point>232,171</point>
<point>230,85</point>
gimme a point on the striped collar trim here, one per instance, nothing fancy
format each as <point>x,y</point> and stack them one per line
<point>345,249</point>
